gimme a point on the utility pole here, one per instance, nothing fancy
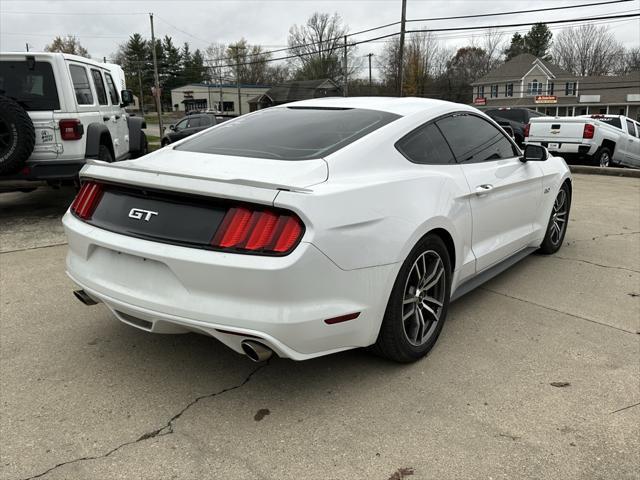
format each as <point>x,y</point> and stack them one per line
<point>156,93</point>
<point>238,85</point>
<point>370,84</point>
<point>403,20</point>
<point>345,92</point>
<point>220,85</point>
<point>141,91</point>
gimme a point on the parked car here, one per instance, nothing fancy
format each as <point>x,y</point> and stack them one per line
<point>57,111</point>
<point>187,126</point>
<point>315,227</point>
<point>515,118</point>
<point>601,140</point>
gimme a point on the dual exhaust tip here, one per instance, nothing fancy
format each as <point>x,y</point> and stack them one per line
<point>256,351</point>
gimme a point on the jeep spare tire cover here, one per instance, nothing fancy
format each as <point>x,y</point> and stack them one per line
<point>17,135</point>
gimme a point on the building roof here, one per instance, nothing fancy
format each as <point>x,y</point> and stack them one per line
<point>298,90</point>
<point>223,85</point>
<point>517,67</point>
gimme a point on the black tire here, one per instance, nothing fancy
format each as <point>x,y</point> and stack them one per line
<point>145,147</point>
<point>602,158</point>
<point>394,340</point>
<point>17,135</point>
<point>104,153</point>
<point>164,142</point>
<point>553,238</point>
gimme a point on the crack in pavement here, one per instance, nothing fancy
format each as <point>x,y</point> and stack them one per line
<point>597,237</point>
<point>625,408</point>
<point>557,311</point>
<point>166,429</point>
<point>33,248</point>
<point>596,264</point>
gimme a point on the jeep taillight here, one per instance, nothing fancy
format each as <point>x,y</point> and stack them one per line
<point>527,127</point>
<point>87,200</point>
<point>589,130</point>
<point>71,129</point>
<point>247,229</point>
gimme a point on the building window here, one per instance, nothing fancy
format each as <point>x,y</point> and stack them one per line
<point>534,87</point>
<point>481,91</point>
<point>570,88</point>
<point>550,88</point>
<point>508,90</point>
<point>494,91</point>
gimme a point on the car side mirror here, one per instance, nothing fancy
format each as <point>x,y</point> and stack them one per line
<point>127,97</point>
<point>534,153</point>
<point>172,128</point>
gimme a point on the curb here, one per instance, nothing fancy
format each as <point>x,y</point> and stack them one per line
<point>611,171</point>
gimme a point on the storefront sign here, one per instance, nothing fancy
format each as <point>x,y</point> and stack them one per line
<point>480,101</point>
<point>546,99</point>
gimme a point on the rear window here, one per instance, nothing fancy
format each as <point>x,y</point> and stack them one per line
<point>289,133</point>
<point>33,88</point>
<point>81,85</point>
<point>613,121</point>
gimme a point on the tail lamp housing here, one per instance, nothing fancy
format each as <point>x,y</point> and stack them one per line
<point>87,200</point>
<point>246,229</point>
<point>71,129</point>
<point>589,131</point>
<point>527,127</point>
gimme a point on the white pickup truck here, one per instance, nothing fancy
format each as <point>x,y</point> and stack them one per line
<point>601,140</point>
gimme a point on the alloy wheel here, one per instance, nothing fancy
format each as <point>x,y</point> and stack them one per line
<point>604,159</point>
<point>559,217</point>
<point>424,297</point>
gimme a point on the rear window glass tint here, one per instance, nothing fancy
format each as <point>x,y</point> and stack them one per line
<point>426,145</point>
<point>113,93</point>
<point>613,121</point>
<point>81,85</point>
<point>289,133</point>
<point>34,89</point>
<point>99,84</point>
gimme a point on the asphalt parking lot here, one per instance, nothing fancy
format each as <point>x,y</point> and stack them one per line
<point>536,375</point>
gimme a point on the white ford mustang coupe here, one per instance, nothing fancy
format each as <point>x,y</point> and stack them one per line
<point>315,227</point>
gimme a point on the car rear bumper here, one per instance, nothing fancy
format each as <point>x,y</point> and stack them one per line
<point>283,301</point>
<point>575,149</point>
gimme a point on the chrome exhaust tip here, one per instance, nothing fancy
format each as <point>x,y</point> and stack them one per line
<point>84,297</point>
<point>256,351</point>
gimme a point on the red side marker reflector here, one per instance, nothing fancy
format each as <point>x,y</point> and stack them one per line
<point>342,318</point>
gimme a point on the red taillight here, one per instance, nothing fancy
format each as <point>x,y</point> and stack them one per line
<point>526,129</point>
<point>87,200</point>
<point>589,131</point>
<point>71,129</point>
<point>264,231</point>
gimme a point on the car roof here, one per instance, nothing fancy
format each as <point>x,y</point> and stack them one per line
<point>403,106</point>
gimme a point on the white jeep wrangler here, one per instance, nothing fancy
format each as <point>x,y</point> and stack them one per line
<point>57,111</point>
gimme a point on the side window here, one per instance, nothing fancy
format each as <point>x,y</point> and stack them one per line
<point>426,145</point>
<point>638,130</point>
<point>81,85</point>
<point>113,93</point>
<point>475,140</point>
<point>181,124</point>
<point>194,122</point>
<point>99,84</point>
<point>631,128</point>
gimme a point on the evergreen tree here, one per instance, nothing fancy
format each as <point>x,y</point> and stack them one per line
<point>515,48</point>
<point>536,42</point>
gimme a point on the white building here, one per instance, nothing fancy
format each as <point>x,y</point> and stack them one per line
<point>224,97</point>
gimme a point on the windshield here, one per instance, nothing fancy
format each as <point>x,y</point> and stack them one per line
<point>33,89</point>
<point>290,133</point>
<point>513,115</point>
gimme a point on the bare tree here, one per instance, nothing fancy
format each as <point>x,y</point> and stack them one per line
<point>423,61</point>
<point>216,62</point>
<point>628,61</point>
<point>68,44</point>
<point>319,48</point>
<point>587,50</point>
<point>493,45</point>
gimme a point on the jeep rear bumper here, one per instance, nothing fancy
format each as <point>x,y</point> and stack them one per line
<point>35,173</point>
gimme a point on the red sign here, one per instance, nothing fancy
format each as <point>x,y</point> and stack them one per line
<point>480,101</point>
<point>546,99</point>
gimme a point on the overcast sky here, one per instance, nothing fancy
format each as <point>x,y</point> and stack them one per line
<point>101,25</point>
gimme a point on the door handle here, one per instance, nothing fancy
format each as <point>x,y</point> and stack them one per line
<point>106,119</point>
<point>483,189</point>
